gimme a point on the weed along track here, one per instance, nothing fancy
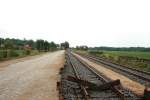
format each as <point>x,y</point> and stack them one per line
<point>79,81</point>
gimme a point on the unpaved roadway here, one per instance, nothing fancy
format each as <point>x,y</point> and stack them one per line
<point>31,79</point>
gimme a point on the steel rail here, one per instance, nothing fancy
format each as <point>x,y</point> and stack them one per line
<point>86,95</point>
<point>121,69</point>
<point>115,89</point>
<point>144,72</point>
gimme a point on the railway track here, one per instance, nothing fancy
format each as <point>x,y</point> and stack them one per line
<point>79,81</point>
<point>136,75</point>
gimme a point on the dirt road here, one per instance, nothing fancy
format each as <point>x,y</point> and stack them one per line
<point>33,79</point>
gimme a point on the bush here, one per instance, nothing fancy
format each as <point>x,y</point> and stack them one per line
<point>13,53</point>
<point>27,52</point>
<point>3,54</point>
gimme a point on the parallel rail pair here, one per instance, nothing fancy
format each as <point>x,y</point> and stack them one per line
<point>132,73</point>
<point>87,78</point>
<point>137,75</point>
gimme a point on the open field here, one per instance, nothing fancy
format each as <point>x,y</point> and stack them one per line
<point>138,54</point>
<point>138,60</point>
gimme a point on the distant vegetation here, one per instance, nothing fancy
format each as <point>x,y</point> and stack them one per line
<point>134,54</point>
<point>83,47</point>
<point>42,45</point>
<point>135,57</point>
<point>10,48</point>
<point>64,45</point>
<point>121,49</point>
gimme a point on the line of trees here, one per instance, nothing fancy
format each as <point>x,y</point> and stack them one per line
<point>41,45</point>
<point>46,46</point>
<point>18,48</point>
<point>64,45</point>
<point>83,47</point>
<point>121,48</point>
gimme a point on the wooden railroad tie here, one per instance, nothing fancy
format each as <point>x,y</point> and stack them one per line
<point>93,86</point>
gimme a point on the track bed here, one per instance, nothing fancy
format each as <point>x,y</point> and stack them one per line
<point>80,82</point>
<point>136,75</point>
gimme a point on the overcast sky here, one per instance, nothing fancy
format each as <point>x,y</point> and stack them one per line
<point>116,23</point>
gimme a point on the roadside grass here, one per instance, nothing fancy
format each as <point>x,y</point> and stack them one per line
<point>11,54</point>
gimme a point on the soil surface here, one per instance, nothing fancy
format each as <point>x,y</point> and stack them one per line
<point>31,78</point>
<point>125,81</point>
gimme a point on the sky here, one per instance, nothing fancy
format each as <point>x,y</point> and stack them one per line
<point>118,23</point>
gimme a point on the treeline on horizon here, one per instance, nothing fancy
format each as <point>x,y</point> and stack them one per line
<point>105,48</point>
<point>144,49</point>
<point>10,48</point>
<point>39,44</point>
<point>7,43</point>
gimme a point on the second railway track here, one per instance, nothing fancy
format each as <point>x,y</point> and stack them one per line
<point>136,75</point>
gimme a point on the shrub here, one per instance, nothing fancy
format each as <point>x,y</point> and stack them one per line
<point>13,53</point>
<point>27,52</point>
<point>3,54</point>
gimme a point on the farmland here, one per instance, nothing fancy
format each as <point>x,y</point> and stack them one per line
<point>138,54</point>
<point>135,59</point>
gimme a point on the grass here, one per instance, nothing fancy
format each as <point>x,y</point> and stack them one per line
<point>81,51</point>
<point>126,58</point>
<point>16,54</point>
<point>131,62</point>
<point>138,54</point>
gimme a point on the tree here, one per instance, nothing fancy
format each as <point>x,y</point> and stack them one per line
<point>84,47</point>
<point>8,44</point>
<point>31,43</point>
<point>46,46</point>
<point>65,45</point>
<point>40,45</point>
<point>1,42</point>
<point>53,46</point>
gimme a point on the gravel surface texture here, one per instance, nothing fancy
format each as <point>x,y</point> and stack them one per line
<point>134,86</point>
<point>31,79</point>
